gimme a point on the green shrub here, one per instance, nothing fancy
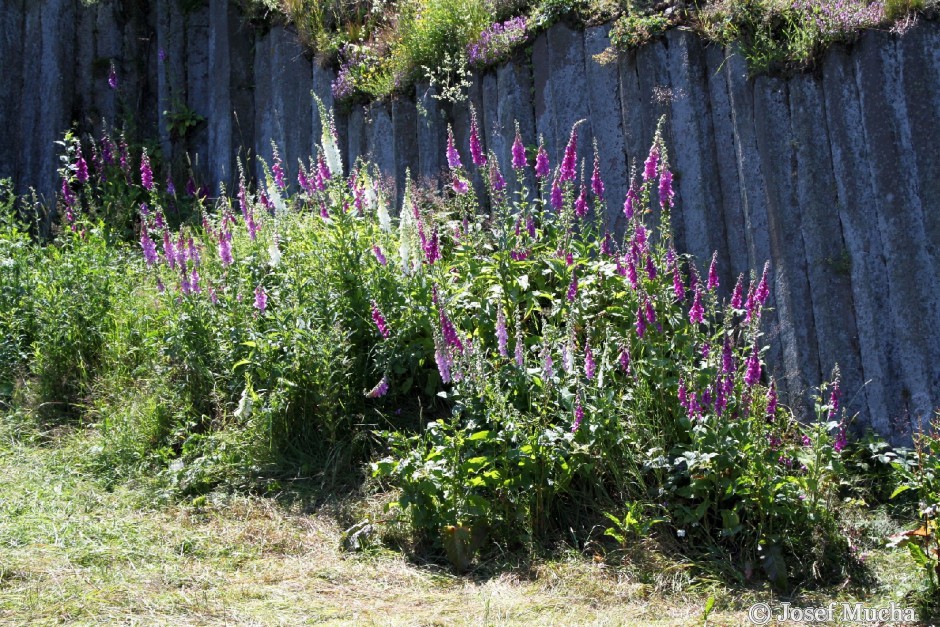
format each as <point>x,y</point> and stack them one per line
<point>429,30</point>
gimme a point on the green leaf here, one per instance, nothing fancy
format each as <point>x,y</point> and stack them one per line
<point>479,435</point>
<point>900,489</point>
<point>709,606</point>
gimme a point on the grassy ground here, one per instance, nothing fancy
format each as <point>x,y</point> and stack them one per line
<point>74,551</point>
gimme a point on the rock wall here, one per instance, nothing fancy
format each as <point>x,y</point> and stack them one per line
<point>834,177</point>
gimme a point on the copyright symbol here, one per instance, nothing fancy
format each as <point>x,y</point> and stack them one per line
<point>759,614</point>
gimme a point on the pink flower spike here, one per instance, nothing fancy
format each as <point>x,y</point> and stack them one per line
<point>737,298</point>
<point>453,157</point>
<point>666,193</point>
<point>569,163</point>
<point>752,374</point>
<point>476,149</point>
<point>542,169</point>
<point>379,320</point>
<point>518,153</point>
<point>713,273</point>
<point>597,184</point>
<point>380,389</point>
<point>578,416</point>
<point>261,299</point>
<point>651,164</point>
<point>697,312</point>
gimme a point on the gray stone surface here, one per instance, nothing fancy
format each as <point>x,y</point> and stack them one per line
<point>514,105</point>
<point>323,87</point>
<point>28,157</point>
<point>920,79</point>
<point>265,124</point>
<point>893,171</point>
<point>790,283</point>
<point>198,86</point>
<point>756,234</point>
<point>355,135</point>
<point>109,46</point>
<point>219,107</point>
<point>603,85</point>
<point>543,102</point>
<point>11,60</point>
<point>866,258</point>
<point>55,87</point>
<point>380,144</point>
<point>826,254</point>
<point>405,132</point>
<point>735,260</point>
<point>432,133</point>
<point>568,82</point>
<point>631,109</point>
<point>692,155</point>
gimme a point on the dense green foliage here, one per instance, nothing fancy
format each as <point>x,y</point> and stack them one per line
<point>517,376</point>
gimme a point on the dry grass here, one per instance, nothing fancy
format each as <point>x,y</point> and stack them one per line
<point>73,552</point>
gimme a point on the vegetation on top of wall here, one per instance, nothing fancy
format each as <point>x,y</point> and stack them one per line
<point>384,46</point>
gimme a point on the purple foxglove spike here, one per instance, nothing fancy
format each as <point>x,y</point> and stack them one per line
<point>632,275</point>
<point>460,186</point>
<point>453,157</point>
<point>678,288</point>
<point>225,248</point>
<point>666,193</point>
<point>542,169</point>
<point>625,359</point>
<point>150,249</point>
<point>573,287</point>
<point>557,199</point>
<point>727,357</point>
<point>752,374</point>
<point>737,298</point>
<point>640,321</point>
<point>597,184</point>
<point>629,205</point>
<point>581,205</point>
<point>261,299</point>
<point>651,164</point>
<point>697,312</point>
<point>713,273</point>
<point>379,321</point>
<point>502,336</point>
<point>578,416</point>
<point>379,255</point>
<point>763,290</point>
<point>548,365</point>
<point>380,389</point>
<point>146,174</point>
<point>589,366</point>
<point>569,163</point>
<point>772,402</point>
<point>476,149</point>
<point>81,166</point>
<point>518,153</point>
<point>834,396</point>
<point>497,182</point>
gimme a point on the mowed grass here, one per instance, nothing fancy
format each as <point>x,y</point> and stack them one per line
<point>74,551</point>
